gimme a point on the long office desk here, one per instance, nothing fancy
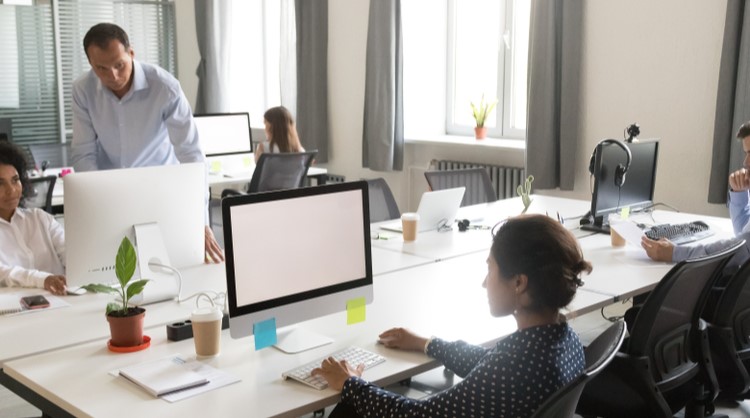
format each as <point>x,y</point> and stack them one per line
<point>432,286</point>
<point>444,299</point>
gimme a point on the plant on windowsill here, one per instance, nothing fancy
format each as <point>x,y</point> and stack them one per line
<point>125,321</point>
<point>481,113</point>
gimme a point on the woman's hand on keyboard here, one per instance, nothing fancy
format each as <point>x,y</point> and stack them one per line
<point>660,250</point>
<point>402,338</point>
<point>336,372</point>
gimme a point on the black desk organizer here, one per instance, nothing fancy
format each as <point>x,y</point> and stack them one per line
<point>179,331</point>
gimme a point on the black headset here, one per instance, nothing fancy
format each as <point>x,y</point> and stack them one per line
<point>620,170</point>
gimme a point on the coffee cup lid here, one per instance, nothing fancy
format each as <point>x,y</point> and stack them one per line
<point>210,313</point>
<point>410,216</point>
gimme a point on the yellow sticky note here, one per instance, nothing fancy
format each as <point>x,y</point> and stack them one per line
<point>625,212</point>
<point>246,161</point>
<point>355,311</point>
<point>215,166</point>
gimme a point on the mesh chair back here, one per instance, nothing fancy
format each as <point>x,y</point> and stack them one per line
<point>663,329</point>
<point>40,195</point>
<point>382,203</point>
<point>280,171</point>
<point>601,351</point>
<point>476,180</point>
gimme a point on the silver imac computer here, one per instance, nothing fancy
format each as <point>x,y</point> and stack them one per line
<point>161,209</point>
<point>294,255</point>
<point>224,133</point>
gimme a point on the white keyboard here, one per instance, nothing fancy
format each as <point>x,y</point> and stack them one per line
<point>354,355</point>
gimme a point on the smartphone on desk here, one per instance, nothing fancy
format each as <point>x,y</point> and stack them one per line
<point>34,302</point>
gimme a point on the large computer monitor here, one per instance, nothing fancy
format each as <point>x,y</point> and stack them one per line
<point>637,192</point>
<point>161,209</point>
<point>224,133</point>
<point>294,255</point>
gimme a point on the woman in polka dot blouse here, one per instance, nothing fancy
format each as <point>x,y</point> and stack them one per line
<point>533,271</point>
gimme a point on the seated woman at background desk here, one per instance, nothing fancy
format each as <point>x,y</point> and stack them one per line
<point>32,242</point>
<point>533,270</point>
<point>280,131</point>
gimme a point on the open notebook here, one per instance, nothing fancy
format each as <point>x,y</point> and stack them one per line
<point>434,208</point>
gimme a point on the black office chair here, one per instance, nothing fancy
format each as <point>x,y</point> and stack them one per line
<point>40,195</point>
<point>665,364</point>
<point>601,351</point>
<point>476,180</point>
<point>278,172</point>
<point>383,205</point>
<point>729,335</point>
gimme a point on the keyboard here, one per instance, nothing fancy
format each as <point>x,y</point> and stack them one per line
<point>354,355</point>
<point>680,233</point>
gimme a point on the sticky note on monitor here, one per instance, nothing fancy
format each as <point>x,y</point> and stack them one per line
<point>355,311</point>
<point>625,212</point>
<point>215,166</point>
<point>265,333</point>
<point>247,161</point>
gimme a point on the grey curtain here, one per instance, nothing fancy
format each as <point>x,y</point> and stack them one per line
<point>312,75</point>
<point>552,128</point>
<point>213,27</point>
<point>732,99</point>
<point>383,136</point>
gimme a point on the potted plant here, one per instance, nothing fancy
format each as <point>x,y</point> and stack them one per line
<point>125,321</point>
<point>480,116</point>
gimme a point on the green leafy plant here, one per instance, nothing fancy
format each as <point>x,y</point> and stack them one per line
<point>482,111</point>
<point>524,190</point>
<point>124,270</point>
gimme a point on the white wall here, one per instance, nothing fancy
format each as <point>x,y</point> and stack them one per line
<point>655,63</point>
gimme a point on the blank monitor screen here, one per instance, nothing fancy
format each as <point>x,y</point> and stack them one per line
<point>638,190</point>
<point>224,133</point>
<point>101,207</point>
<point>297,254</point>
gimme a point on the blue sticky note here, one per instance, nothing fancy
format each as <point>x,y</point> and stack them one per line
<point>265,333</point>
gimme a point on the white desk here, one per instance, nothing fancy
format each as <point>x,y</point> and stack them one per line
<point>418,298</point>
<point>84,320</point>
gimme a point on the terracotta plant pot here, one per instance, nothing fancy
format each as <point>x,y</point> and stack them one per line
<point>480,132</point>
<point>127,331</point>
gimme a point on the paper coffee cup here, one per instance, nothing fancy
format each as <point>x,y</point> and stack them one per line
<point>409,222</point>
<point>207,331</point>
<point>616,239</point>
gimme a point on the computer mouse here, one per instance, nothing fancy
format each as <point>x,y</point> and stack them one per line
<point>75,292</point>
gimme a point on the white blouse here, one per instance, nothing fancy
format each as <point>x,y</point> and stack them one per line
<point>32,247</point>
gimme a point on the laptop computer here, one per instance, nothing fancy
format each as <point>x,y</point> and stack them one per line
<point>434,208</point>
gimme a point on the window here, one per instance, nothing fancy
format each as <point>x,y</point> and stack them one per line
<point>262,68</point>
<point>47,66</point>
<point>485,53</point>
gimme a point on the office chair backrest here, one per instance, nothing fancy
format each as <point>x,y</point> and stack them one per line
<point>40,195</point>
<point>664,328</point>
<point>729,334</point>
<point>476,180</point>
<point>383,205</point>
<point>280,171</point>
<point>601,351</point>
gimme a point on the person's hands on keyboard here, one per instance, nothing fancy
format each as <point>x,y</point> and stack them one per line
<point>333,372</point>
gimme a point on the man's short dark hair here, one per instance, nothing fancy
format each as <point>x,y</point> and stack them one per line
<point>102,33</point>
<point>744,130</point>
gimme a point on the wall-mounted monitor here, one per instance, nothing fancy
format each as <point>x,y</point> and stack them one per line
<point>294,255</point>
<point>224,133</point>
<point>637,192</point>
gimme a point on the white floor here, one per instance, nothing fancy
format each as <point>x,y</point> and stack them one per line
<point>587,326</point>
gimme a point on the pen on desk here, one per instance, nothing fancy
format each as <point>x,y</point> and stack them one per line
<point>560,218</point>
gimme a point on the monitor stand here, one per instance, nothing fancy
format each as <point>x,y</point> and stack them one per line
<point>296,339</point>
<point>149,247</point>
<point>597,225</point>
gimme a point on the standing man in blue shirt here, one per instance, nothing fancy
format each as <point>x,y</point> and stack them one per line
<point>128,113</point>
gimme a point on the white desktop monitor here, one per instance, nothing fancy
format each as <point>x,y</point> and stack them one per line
<point>224,133</point>
<point>294,255</point>
<point>102,207</point>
